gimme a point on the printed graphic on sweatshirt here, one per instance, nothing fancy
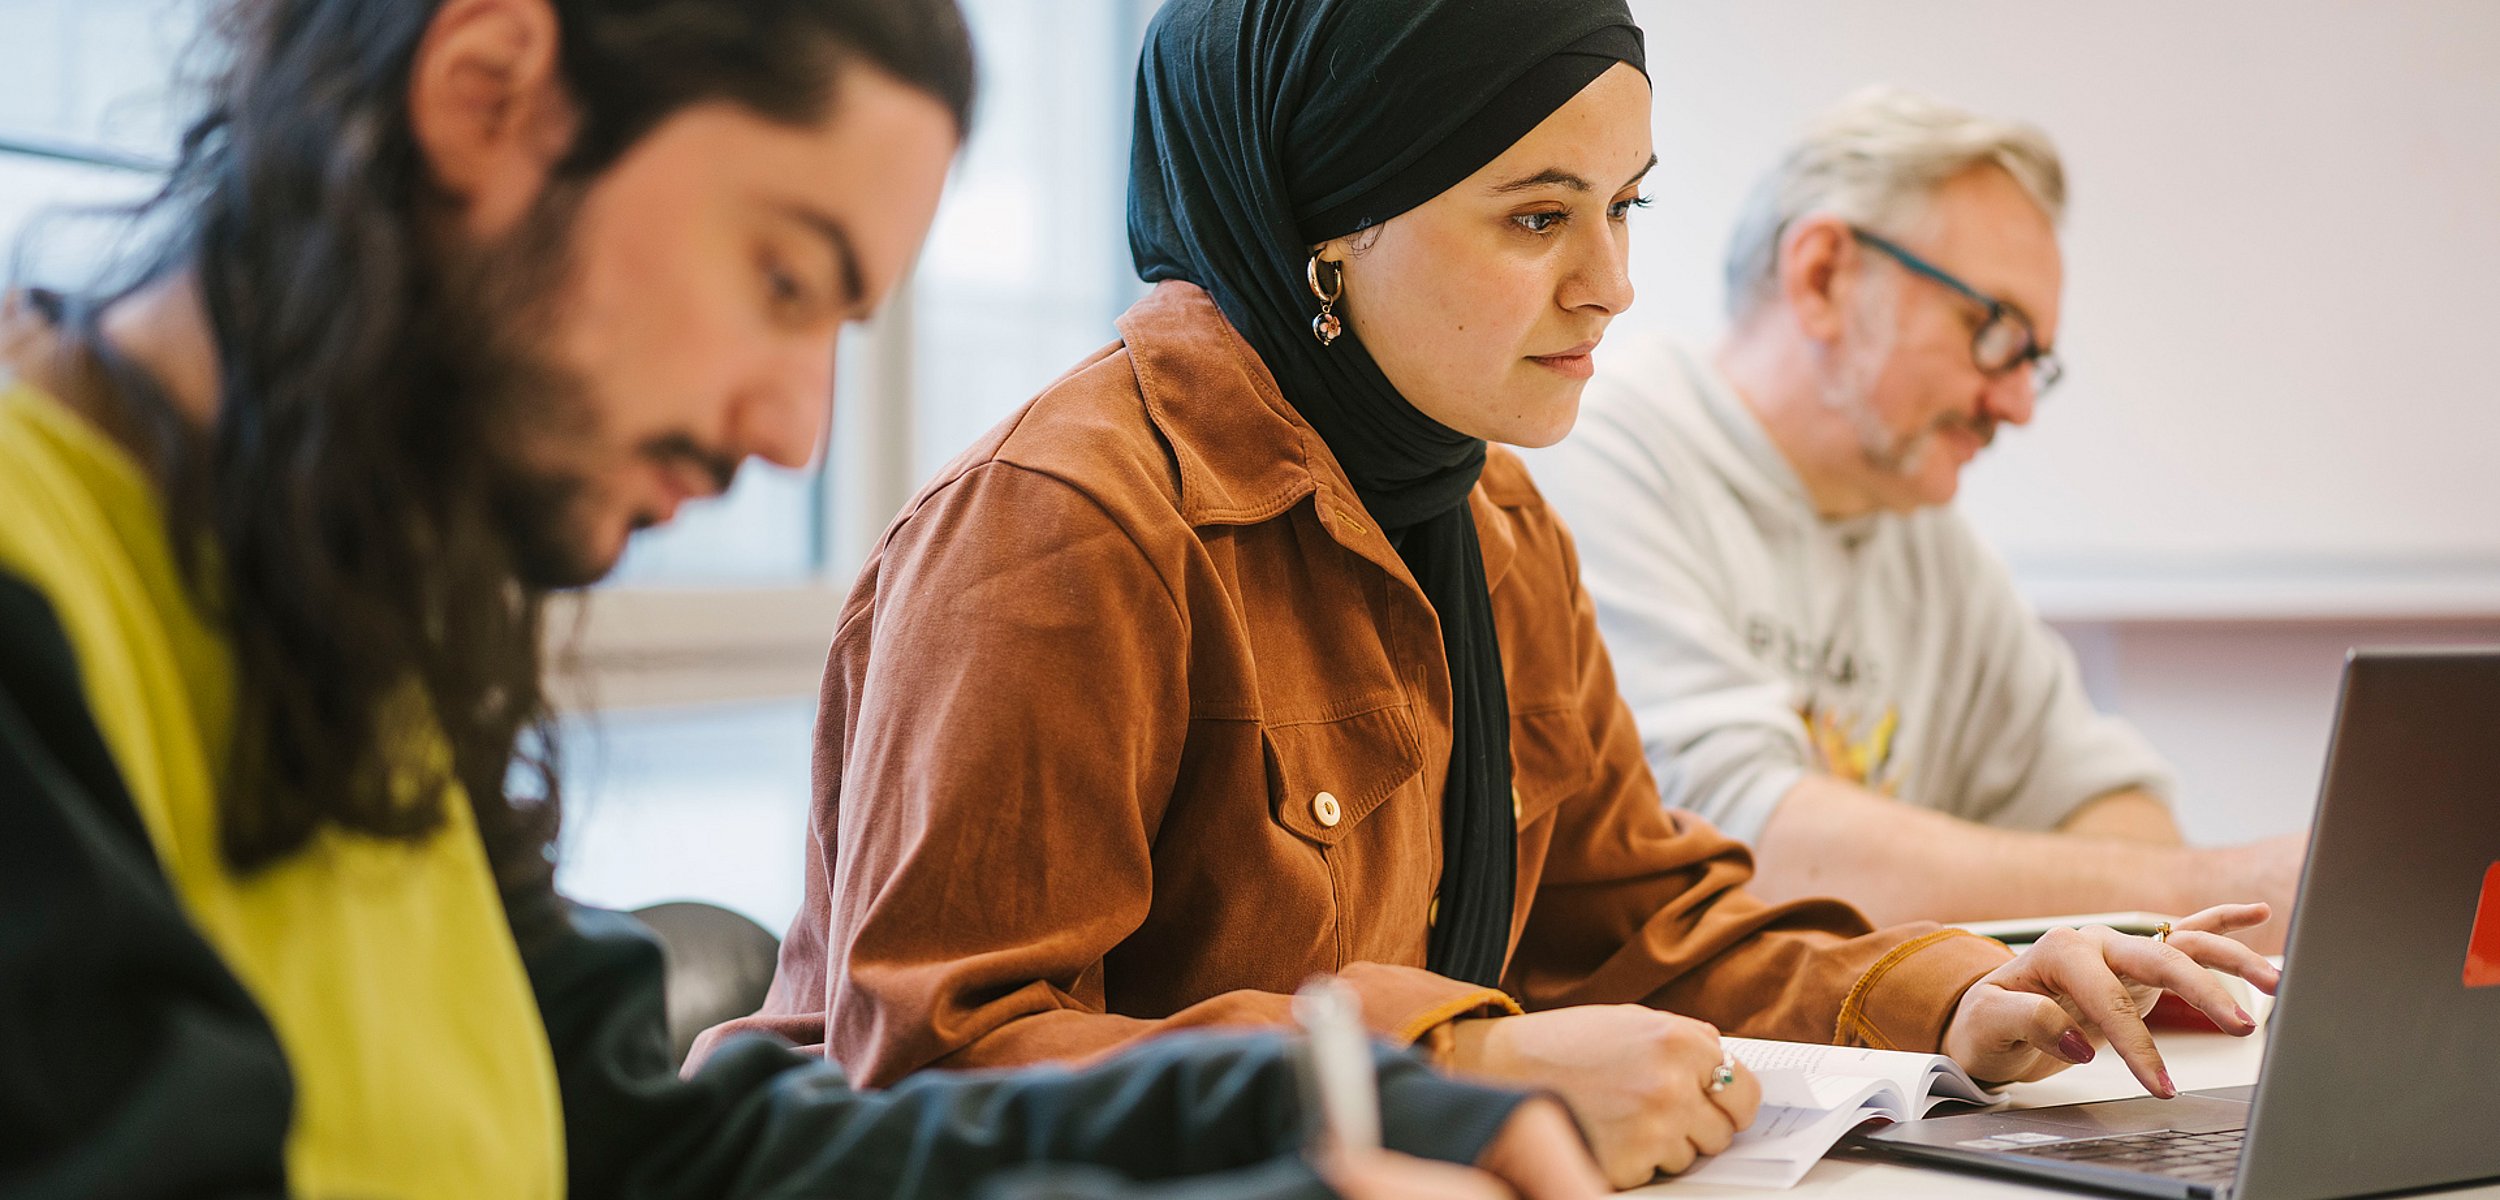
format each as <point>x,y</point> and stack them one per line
<point>1850,725</point>
<point>1813,664</point>
<point>1859,758</point>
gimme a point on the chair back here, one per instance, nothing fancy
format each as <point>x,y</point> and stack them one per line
<point>719,965</point>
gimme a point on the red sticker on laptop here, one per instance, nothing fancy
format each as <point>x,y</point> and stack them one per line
<point>2482,951</point>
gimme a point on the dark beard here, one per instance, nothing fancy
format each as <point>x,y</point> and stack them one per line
<point>537,514</point>
<point>493,309</point>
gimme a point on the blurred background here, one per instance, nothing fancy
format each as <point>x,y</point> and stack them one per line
<point>2274,441</point>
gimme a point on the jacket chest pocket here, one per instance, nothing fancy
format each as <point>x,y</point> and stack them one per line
<point>1551,761</point>
<point>1325,777</point>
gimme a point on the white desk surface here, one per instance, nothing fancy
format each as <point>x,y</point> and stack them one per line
<point>2196,1060</point>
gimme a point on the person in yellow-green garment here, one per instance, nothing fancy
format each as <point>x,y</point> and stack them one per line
<point>451,297</point>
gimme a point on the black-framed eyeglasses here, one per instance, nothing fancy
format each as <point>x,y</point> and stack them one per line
<point>2004,342</point>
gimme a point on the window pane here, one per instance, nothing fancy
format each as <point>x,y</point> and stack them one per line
<point>82,78</point>
<point>95,72</point>
<point>1028,262</point>
<point>688,804</point>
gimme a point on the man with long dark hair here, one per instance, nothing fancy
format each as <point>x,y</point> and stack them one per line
<point>458,295</point>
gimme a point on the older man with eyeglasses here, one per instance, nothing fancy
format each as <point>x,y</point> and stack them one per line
<point>1822,657</point>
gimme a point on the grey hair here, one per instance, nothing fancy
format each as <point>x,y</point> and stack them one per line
<point>1875,159</point>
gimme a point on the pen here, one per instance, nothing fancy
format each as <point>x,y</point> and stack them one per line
<point>1337,1067</point>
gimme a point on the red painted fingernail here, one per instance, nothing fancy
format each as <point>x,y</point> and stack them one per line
<point>2074,1048</point>
<point>2169,1090</point>
<point>2242,1014</point>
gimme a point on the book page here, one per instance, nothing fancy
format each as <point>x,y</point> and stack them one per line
<point>1785,1141</point>
<point>1811,1095</point>
<point>1915,1076</point>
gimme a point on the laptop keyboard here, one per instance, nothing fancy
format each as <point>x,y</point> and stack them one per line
<point>2197,1156</point>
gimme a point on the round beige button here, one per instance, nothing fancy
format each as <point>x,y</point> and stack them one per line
<point>1518,809</point>
<point>1432,916</point>
<point>1325,808</point>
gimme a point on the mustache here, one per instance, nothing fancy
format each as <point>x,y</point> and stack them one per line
<point>1981,426</point>
<point>679,449</point>
<point>1908,453</point>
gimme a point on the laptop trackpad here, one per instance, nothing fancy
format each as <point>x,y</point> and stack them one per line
<point>2194,1112</point>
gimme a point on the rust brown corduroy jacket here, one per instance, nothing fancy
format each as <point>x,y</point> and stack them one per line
<point>1135,721</point>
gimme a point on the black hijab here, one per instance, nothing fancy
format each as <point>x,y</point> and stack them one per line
<point>1267,126</point>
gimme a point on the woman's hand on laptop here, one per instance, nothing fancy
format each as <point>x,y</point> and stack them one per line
<point>2040,1013</point>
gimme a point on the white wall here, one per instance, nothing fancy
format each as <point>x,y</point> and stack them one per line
<point>2281,258</point>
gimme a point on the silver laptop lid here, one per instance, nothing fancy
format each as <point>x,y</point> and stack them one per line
<point>2383,1067</point>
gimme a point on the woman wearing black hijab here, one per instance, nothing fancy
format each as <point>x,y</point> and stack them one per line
<point>1237,656</point>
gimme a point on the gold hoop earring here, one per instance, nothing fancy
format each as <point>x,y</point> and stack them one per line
<point>1325,326</point>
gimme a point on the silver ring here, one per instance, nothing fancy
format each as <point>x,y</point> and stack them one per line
<point>1724,1075</point>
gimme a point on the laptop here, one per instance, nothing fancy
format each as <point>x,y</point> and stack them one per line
<point>2382,1063</point>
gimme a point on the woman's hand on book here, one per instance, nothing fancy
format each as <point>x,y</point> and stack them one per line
<point>1637,1079</point>
<point>2040,1013</point>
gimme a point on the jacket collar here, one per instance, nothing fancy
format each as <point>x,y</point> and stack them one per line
<point>1244,454</point>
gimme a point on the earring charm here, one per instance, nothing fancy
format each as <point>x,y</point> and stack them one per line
<point>1325,326</point>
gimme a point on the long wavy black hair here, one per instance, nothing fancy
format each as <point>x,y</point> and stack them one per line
<point>338,516</point>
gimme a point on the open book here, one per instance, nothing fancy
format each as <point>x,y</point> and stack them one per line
<point>1811,1095</point>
